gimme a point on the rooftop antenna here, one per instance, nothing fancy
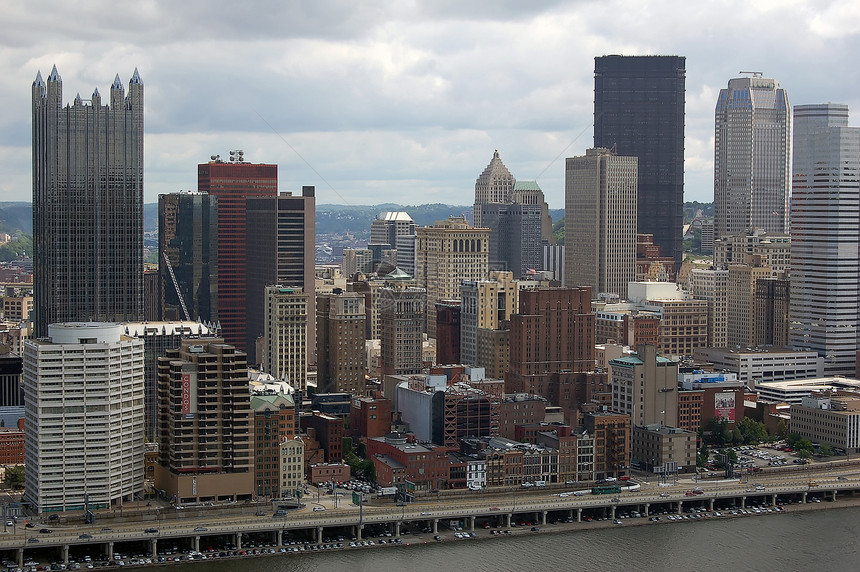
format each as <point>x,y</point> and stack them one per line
<point>753,73</point>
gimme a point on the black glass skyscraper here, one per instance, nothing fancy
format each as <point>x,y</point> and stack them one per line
<point>639,111</point>
<point>87,204</point>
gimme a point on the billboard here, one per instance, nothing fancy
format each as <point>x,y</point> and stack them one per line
<point>186,393</point>
<point>724,406</point>
<point>189,393</point>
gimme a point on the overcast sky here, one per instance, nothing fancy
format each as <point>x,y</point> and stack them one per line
<point>401,101</point>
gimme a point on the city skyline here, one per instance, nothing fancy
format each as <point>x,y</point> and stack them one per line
<point>429,99</point>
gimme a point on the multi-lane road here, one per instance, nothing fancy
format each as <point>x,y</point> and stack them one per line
<point>457,506</point>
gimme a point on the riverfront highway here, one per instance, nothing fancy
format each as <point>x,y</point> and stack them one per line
<point>234,519</point>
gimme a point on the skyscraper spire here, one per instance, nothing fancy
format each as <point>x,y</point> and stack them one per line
<point>135,78</point>
<point>102,222</point>
<point>38,82</point>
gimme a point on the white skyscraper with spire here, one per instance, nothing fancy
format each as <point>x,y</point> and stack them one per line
<point>825,236</point>
<point>752,157</point>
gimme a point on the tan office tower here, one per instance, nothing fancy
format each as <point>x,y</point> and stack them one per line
<point>205,439</point>
<point>495,185</point>
<point>448,253</point>
<point>645,387</point>
<point>286,335</point>
<point>712,285</point>
<point>341,339</point>
<point>486,304</point>
<point>740,300</point>
<point>600,218</point>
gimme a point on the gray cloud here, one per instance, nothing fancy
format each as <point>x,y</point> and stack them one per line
<point>398,100</point>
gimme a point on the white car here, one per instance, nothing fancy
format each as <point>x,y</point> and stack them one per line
<point>319,508</point>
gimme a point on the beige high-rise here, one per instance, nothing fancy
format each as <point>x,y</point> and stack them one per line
<point>449,252</point>
<point>600,221</point>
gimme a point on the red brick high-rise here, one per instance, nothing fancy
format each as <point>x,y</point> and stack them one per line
<point>232,183</point>
<point>553,332</point>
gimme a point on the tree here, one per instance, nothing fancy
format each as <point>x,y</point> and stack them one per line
<point>825,450</point>
<point>791,440</point>
<point>14,477</point>
<point>737,436</point>
<point>804,445</point>
<point>782,429</point>
<point>753,431</point>
<point>347,446</point>
<point>368,470</point>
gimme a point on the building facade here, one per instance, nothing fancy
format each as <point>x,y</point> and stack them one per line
<point>286,335</point>
<point>553,332</point>
<point>280,251</point>
<point>84,409</point>
<point>752,157</point>
<point>341,340</point>
<point>205,423</point>
<point>274,423</point>
<point>494,185</point>
<point>87,204</point>
<point>639,112</point>
<point>825,274</point>
<point>600,218</point>
<point>188,256</point>
<point>231,183</point>
<point>645,387</point>
<point>448,253</point>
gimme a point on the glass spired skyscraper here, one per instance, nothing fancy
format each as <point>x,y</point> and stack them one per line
<point>87,204</point>
<point>639,112</point>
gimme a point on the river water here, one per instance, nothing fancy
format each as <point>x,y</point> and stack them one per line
<point>800,541</point>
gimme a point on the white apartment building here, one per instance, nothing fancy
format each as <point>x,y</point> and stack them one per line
<point>84,413</point>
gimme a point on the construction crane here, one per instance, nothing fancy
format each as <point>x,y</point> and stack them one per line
<point>176,286</point>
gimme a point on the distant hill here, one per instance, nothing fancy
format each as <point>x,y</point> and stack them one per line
<point>16,217</point>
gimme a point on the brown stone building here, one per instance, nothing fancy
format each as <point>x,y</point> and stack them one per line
<point>520,409</point>
<point>448,331</point>
<point>425,465</point>
<point>553,331</point>
<point>274,423</point>
<point>341,339</point>
<point>205,451</point>
<point>370,417</point>
<point>328,430</point>
<point>12,444</point>
<point>611,433</point>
